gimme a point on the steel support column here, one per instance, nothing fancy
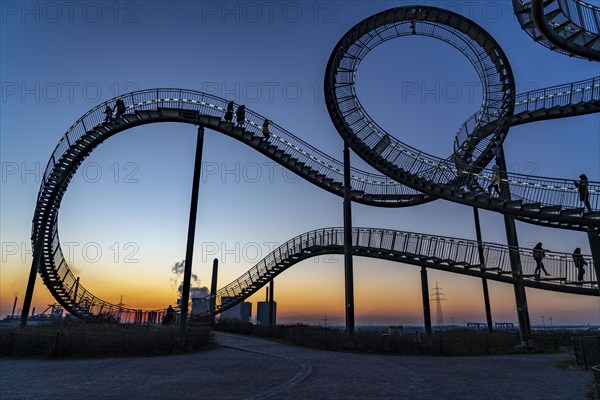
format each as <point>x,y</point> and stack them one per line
<point>348,267</point>
<point>515,258</point>
<point>486,294</point>
<point>426,307</point>
<point>29,291</point>
<point>594,239</point>
<point>213,291</point>
<point>75,291</point>
<point>189,254</point>
<point>271,304</point>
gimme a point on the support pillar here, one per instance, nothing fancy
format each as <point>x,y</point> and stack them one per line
<point>594,239</point>
<point>348,267</point>
<point>515,258</point>
<point>486,294</point>
<point>213,291</point>
<point>271,304</point>
<point>76,290</point>
<point>187,273</point>
<point>426,307</point>
<point>29,291</point>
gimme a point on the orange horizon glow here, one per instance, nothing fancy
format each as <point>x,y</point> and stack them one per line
<point>312,292</point>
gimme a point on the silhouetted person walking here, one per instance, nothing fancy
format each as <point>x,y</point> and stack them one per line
<point>538,255</point>
<point>580,264</point>
<point>108,113</point>
<point>265,129</point>
<point>169,316</point>
<point>240,115</point>
<point>495,182</point>
<point>229,112</point>
<point>584,193</point>
<point>119,108</point>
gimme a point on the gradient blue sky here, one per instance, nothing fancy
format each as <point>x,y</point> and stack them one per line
<point>57,63</point>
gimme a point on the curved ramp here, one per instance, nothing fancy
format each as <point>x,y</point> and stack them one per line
<point>570,27</point>
<point>436,252</point>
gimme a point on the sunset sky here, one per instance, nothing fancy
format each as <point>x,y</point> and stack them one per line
<point>123,220</point>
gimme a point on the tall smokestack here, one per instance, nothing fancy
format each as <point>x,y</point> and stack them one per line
<point>12,315</point>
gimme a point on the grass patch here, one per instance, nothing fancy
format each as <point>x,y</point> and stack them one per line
<point>79,339</point>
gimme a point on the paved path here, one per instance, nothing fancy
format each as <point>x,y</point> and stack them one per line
<point>250,368</point>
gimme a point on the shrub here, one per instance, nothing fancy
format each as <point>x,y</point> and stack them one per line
<point>80,339</point>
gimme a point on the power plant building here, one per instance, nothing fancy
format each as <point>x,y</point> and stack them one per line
<point>241,311</point>
<point>262,313</point>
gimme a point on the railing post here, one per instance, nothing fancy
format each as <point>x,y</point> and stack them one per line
<point>348,267</point>
<point>486,294</point>
<point>189,253</point>
<point>571,94</point>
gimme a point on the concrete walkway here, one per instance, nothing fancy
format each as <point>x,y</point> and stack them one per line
<point>250,368</point>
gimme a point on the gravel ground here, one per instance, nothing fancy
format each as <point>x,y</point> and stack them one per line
<point>250,368</point>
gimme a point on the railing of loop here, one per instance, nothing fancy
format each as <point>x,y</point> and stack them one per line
<point>547,98</point>
<point>582,14</point>
<point>576,21</point>
<point>206,104</point>
<point>526,188</point>
<point>445,172</point>
<point>558,96</point>
<point>80,298</point>
<point>466,131</point>
<point>491,114</point>
<point>425,248</point>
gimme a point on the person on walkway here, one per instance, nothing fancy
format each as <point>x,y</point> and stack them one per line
<point>169,316</point>
<point>119,108</point>
<point>538,255</point>
<point>240,115</point>
<point>495,149</point>
<point>470,175</point>
<point>495,182</point>
<point>265,129</point>
<point>108,111</point>
<point>584,193</point>
<point>229,112</point>
<point>580,264</point>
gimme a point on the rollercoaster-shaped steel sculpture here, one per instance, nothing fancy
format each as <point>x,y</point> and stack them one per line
<point>410,176</point>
